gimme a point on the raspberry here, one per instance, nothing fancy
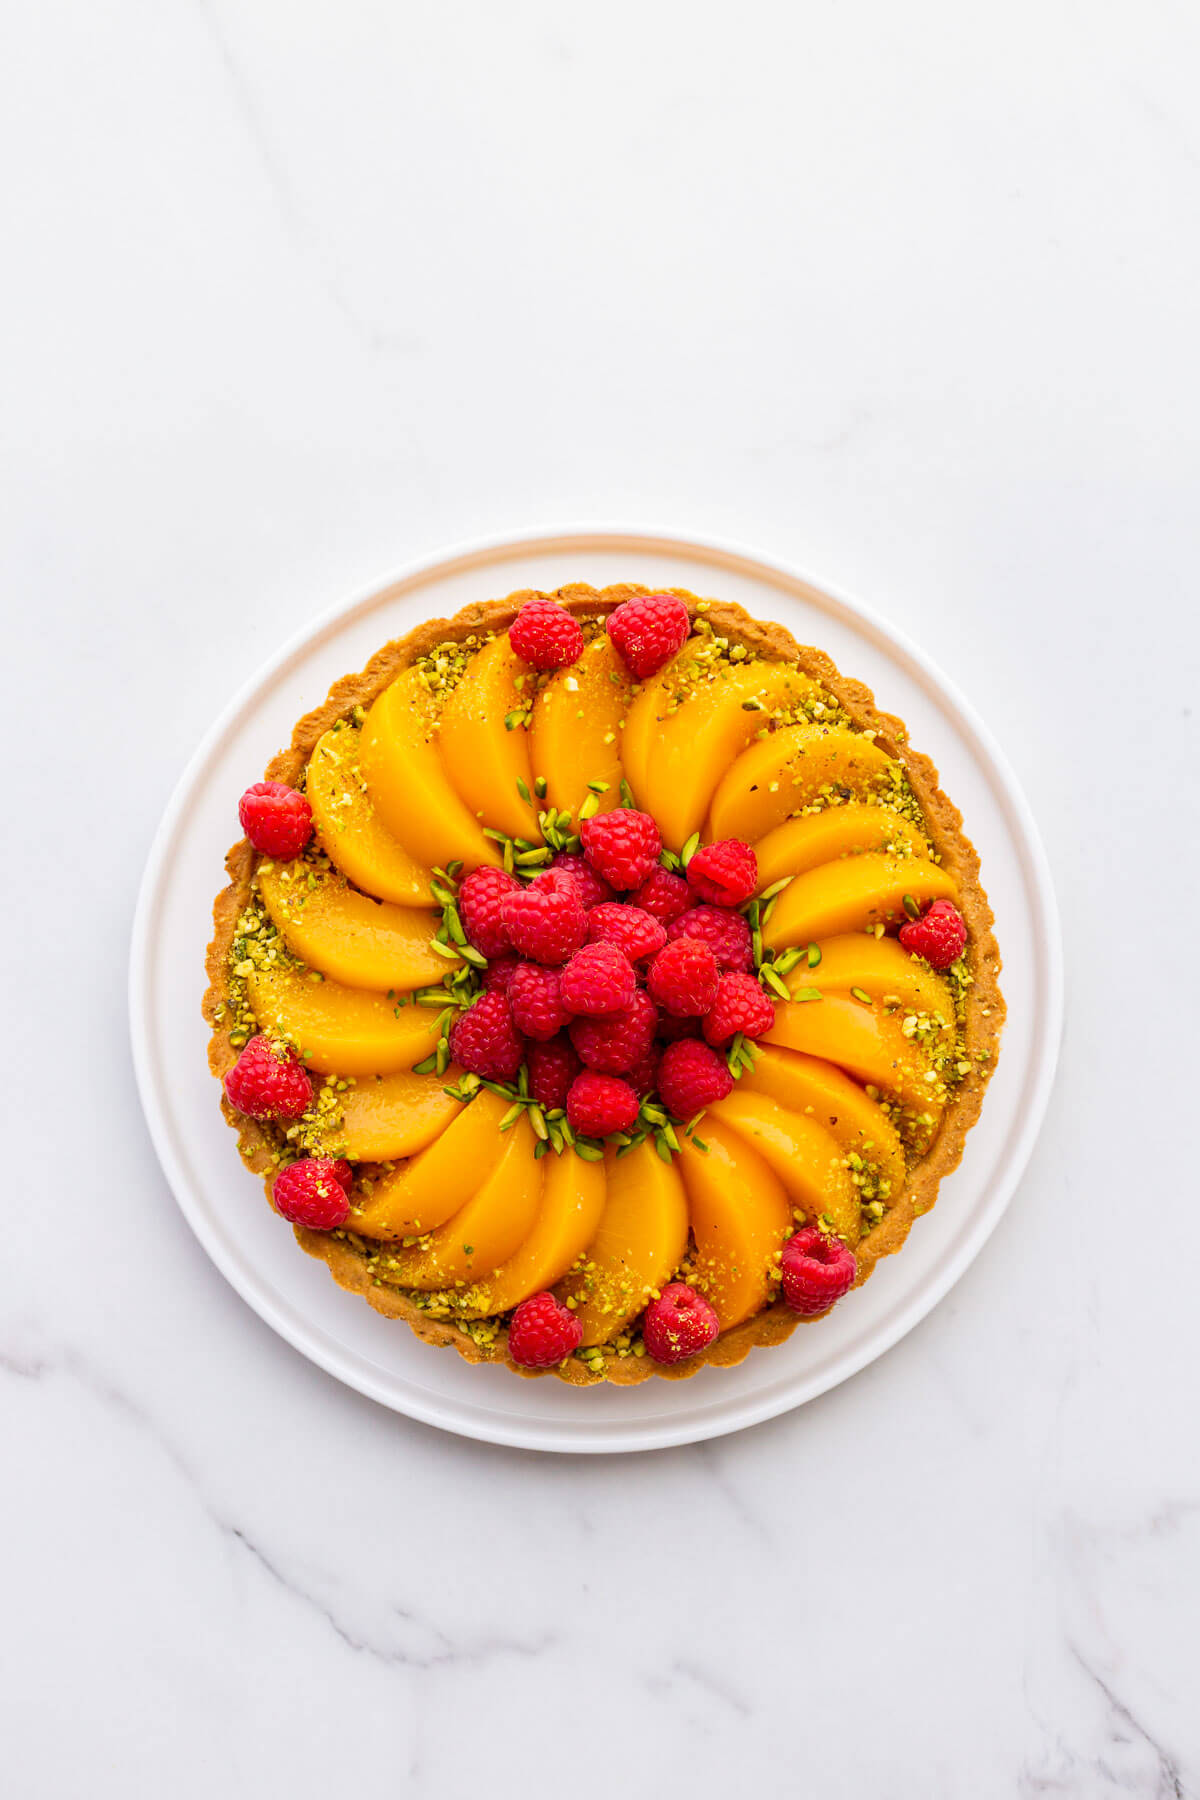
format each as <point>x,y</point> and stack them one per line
<point>939,935</point>
<point>643,1076</point>
<point>594,890</point>
<point>725,873</point>
<point>484,1039</point>
<point>552,1068</point>
<point>618,1042</point>
<point>683,978</point>
<point>691,1076</point>
<point>546,920</point>
<point>498,974</point>
<point>726,934</point>
<point>536,1000</point>
<point>276,819</point>
<point>480,907</point>
<point>649,631</point>
<point>636,934</point>
<point>740,1005</point>
<point>598,1104</point>
<point>264,1085</point>
<point>663,894</point>
<point>314,1192</point>
<point>542,1332</point>
<point>546,635</point>
<point>817,1270</point>
<point>598,981</point>
<point>678,1324</point>
<point>622,846</point>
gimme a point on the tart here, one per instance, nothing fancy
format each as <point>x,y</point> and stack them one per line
<point>519,892</point>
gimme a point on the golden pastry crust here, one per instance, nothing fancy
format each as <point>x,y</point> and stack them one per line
<point>346,1256</point>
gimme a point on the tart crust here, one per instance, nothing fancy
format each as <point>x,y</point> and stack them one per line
<point>345,1255</point>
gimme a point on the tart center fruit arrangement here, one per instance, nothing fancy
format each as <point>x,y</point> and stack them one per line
<point>603,986</point>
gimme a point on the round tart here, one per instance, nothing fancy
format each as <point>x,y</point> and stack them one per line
<point>611,988</point>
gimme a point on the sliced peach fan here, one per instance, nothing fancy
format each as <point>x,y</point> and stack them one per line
<point>470,1194</point>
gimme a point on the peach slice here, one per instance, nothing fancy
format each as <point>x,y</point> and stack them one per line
<point>822,837</point>
<point>361,942</point>
<point>341,1030</point>
<point>881,967</point>
<point>806,1084</point>
<point>573,1196</point>
<point>483,757</point>
<point>408,783</point>
<point>852,894</point>
<point>786,771</point>
<point>351,833</point>
<point>388,1116</point>
<point>807,1159</point>
<point>426,1191</point>
<point>490,1228</point>
<point>693,729</point>
<point>861,1039</point>
<point>639,1243</point>
<point>741,1215</point>
<point>576,732</point>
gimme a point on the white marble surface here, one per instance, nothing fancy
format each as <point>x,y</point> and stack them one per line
<point>906,295</point>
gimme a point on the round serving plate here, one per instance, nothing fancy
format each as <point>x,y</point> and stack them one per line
<point>294,1294</point>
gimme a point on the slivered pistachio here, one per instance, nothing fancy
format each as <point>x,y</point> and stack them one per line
<point>511,1116</point>
<point>539,1150</point>
<point>783,965</point>
<point>598,787</point>
<point>589,1152</point>
<point>807,993</point>
<point>529,859</point>
<point>473,956</point>
<point>450,952</point>
<point>754,913</point>
<point>689,849</point>
<point>523,790</point>
<point>814,955</point>
<point>426,1066</point>
<point>441,1060</point>
<point>774,981</point>
<point>776,887</point>
<point>627,798</point>
<point>539,786</point>
<point>590,807</point>
<point>537,1119</point>
<point>662,1146</point>
<point>911,906</point>
<point>863,998</point>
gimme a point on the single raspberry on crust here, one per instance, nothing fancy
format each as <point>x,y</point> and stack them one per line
<point>612,1045</point>
<point>546,635</point>
<point>663,894</point>
<point>939,935</point>
<point>598,1104</point>
<point>817,1270</point>
<point>535,995</point>
<point>552,1068</point>
<point>648,631</point>
<point>484,1040</point>
<point>598,981</point>
<point>678,1324</point>
<point>724,873</point>
<point>546,920</point>
<point>683,978</point>
<point>266,1085</point>
<point>276,819</point>
<point>740,1005</point>
<point>691,1076</point>
<point>643,1076</point>
<point>314,1192</point>
<point>595,891</point>
<point>542,1332</point>
<point>726,934</point>
<point>622,846</point>
<point>481,909</point>
<point>637,934</point>
<point>499,973</point>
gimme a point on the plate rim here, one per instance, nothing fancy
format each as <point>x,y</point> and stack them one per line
<point>577,1437</point>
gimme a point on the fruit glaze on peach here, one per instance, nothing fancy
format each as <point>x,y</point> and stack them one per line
<point>602,985</point>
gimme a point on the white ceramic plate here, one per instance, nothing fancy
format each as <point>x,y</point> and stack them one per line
<point>295,1295</point>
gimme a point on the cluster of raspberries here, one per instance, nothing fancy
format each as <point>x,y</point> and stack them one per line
<point>611,977</point>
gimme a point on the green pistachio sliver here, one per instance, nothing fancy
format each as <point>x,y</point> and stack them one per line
<point>627,798</point>
<point>568,1132</point>
<point>537,1119</point>
<point>767,910</point>
<point>441,1061</point>
<point>733,1055</point>
<point>689,849</point>
<point>668,860</point>
<point>590,807</point>
<point>783,965</point>
<point>911,906</point>
<point>523,1082</point>
<point>523,790</point>
<point>539,786</point>
<point>426,1066</point>
<point>540,1149</point>
<point>774,982</point>
<point>511,1116</point>
<point>434,997</point>
<point>700,1145</point>
<point>529,859</point>
<point>514,718</point>
<point>807,993</point>
<point>508,858</point>
<point>456,926</point>
<point>814,955</point>
<point>668,1131</point>
<point>454,869</point>
<point>475,957</point>
<point>754,913</point>
<point>776,887</point>
<point>589,1152</point>
<point>863,998</point>
<point>497,837</point>
<point>450,952</point>
<point>599,787</point>
<point>557,1141</point>
<point>756,945</point>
